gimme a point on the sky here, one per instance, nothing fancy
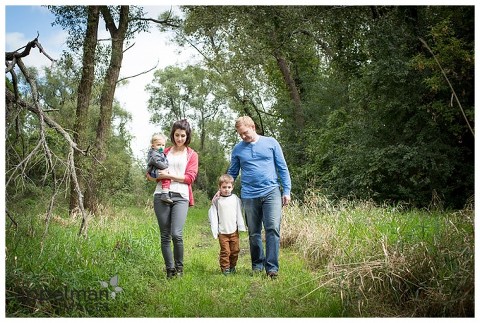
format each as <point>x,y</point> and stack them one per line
<point>23,22</point>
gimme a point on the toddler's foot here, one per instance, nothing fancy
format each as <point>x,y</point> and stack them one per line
<point>226,272</point>
<point>165,198</point>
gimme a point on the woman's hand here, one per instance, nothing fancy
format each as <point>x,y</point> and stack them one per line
<point>164,174</point>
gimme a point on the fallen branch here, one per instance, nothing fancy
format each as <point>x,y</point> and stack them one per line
<point>45,119</point>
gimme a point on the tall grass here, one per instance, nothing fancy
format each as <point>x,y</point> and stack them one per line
<point>353,259</point>
<point>387,260</point>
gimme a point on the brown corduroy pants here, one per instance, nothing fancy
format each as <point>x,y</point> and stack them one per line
<point>229,250</point>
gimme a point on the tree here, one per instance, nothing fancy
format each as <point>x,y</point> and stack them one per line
<point>118,35</point>
<point>84,95</point>
<point>179,93</point>
<point>375,104</point>
<point>394,138</point>
<point>187,93</point>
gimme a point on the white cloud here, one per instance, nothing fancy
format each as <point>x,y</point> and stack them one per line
<point>57,40</point>
<point>14,41</point>
<point>149,49</point>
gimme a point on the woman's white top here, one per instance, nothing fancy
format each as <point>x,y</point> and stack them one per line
<point>177,165</point>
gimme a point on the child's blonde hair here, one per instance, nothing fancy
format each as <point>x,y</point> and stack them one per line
<point>225,178</point>
<point>158,136</point>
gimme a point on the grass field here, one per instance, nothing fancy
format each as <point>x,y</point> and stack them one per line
<point>336,261</point>
<point>50,277</point>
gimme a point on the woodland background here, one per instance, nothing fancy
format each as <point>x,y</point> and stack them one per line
<point>374,109</point>
<point>368,102</point>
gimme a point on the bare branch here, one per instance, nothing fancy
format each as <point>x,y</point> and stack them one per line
<point>11,218</point>
<point>449,84</point>
<point>10,97</point>
<point>167,22</point>
<point>141,73</point>
<point>13,57</point>
<point>128,47</point>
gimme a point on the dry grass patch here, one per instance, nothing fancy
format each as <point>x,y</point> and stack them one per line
<point>387,261</point>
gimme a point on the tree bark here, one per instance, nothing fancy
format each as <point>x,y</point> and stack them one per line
<point>83,101</point>
<point>106,100</point>
<point>298,114</point>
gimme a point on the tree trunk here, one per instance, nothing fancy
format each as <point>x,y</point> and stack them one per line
<point>202,131</point>
<point>83,101</point>
<point>106,101</point>
<point>298,114</point>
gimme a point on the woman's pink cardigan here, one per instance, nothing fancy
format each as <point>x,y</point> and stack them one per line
<point>191,171</point>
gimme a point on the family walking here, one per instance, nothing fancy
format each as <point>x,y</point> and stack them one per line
<point>265,188</point>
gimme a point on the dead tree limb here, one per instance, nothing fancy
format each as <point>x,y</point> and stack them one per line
<point>12,99</point>
<point>141,73</point>
<point>449,84</point>
<point>12,57</point>
<point>11,218</point>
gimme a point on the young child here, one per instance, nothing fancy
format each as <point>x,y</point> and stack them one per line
<point>157,160</point>
<point>226,219</point>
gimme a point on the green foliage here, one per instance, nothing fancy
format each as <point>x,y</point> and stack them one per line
<point>393,134</point>
<point>74,20</point>
<point>191,93</point>
<point>396,138</point>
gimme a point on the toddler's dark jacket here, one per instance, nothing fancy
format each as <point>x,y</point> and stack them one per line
<point>156,160</point>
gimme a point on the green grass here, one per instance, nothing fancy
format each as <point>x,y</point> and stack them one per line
<point>343,259</point>
<point>126,243</point>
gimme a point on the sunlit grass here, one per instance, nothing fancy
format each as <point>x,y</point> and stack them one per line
<point>126,243</point>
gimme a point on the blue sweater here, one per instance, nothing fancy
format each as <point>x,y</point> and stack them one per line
<point>263,167</point>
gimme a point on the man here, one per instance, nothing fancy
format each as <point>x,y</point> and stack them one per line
<point>263,170</point>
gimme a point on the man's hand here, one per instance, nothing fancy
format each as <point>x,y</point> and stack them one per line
<point>285,200</point>
<point>215,197</point>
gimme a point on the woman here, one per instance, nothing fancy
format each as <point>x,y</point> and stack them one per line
<point>182,171</point>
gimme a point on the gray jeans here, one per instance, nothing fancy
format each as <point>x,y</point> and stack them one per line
<point>171,219</point>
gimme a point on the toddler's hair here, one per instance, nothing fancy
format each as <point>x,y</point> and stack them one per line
<point>158,136</point>
<point>225,178</point>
